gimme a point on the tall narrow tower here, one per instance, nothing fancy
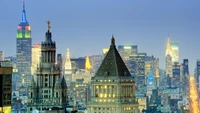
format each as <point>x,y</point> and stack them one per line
<point>68,65</point>
<point>168,57</point>
<point>24,44</point>
<point>50,91</point>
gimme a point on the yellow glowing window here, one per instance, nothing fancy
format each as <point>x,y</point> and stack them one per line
<point>105,95</point>
<point>109,95</point>
<point>113,95</point>
<point>101,95</point>
<point>105,87</point>
<point>97,87</point>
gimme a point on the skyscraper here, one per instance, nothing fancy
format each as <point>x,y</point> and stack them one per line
<point>175,52</point>
<point>1,56</point>
<point>24,44</point>
<point>59,60</point>
<point>112,87</point>
<point>168,56</point>
<point>5,86</point>
<point>68,65</point>
<point>36,55</point>
<point>49,93</point>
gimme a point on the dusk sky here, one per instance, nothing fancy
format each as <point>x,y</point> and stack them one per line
<point>86,26</point>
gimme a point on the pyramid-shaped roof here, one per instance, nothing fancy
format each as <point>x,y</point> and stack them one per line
<point>112,64</point>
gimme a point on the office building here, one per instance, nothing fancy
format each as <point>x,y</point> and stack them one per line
<point>168,59</point>
<point>24,45</point>
<point>59,60</point>
<point>36,55</point>
<point>1,55</point>
<point>112,87</point>
<point>5,87</point>
<point>48,93</point>
<point>197,77</point>
<point>175,52</point>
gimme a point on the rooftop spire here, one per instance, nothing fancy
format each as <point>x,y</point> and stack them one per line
<point>113,40</point>
<point>24,13</point>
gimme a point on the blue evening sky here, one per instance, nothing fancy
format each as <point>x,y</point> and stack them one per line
<point>86,26</point>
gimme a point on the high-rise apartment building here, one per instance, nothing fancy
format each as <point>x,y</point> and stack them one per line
<point>48,93</point>
<point>24,44</point>
<point>175,52</point>
<point>112,87</point>
<point>5,87</point>
<point>1,55</point>
<point>36,55</point>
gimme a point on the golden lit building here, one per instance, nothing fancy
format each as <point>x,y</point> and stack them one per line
<point>5,87</point>
<point>168,56</point>
<point>36,54</point>
<point>112,87</point>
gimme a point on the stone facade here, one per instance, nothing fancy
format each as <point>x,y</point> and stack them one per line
<point>49,91</point>
<point>112,87</point>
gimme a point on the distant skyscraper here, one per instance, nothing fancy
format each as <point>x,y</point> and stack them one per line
<point>185,67</point>
<point>168,56</point>
<point>151,82</point>
<point>36,55</point>
<point>112,87</point>
<point>175,52</point>
<point>59,60</point>
<point>1,55</point>
<point>126,50</point>
<point>24,44</point>
<point>49,93</point>
<point>88,66</point>
<point>68,65</point>
<point>5,86</point>
<point>197,77</point>
<point>105,51</point>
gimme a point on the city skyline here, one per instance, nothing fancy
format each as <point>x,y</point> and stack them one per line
<point>132,23</point>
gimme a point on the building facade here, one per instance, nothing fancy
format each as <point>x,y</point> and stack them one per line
<point>5,87</point>
<point>36,55</point>
<point>175,52</point>
<point>1,55</point>
<point>24,45</point>
<point>112,87</point>
<point>49,91</point>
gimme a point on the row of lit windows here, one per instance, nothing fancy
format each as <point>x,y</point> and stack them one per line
<point>113,80</point>
<point>105,100</point>
<point>105,95</point>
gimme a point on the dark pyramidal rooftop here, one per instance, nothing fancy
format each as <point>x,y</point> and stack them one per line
<point>113,64</point>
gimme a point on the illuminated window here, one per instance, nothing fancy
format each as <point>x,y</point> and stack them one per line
<point>105,95</point>
<point>113,95</point>
<point>105,86</point>
<point>28,28</point>
<point>19,27</point>
<point>97,87</point>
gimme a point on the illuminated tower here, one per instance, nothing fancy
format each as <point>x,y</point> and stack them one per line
<point>49,91</point>
<point>88,66</point>
<point>168,59</point>
<point>24,44</point>
<point>175,52</point>
<point>36,55</point>
<point>151,82</point>
<point>112,87</point>
<point>68,65</point>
